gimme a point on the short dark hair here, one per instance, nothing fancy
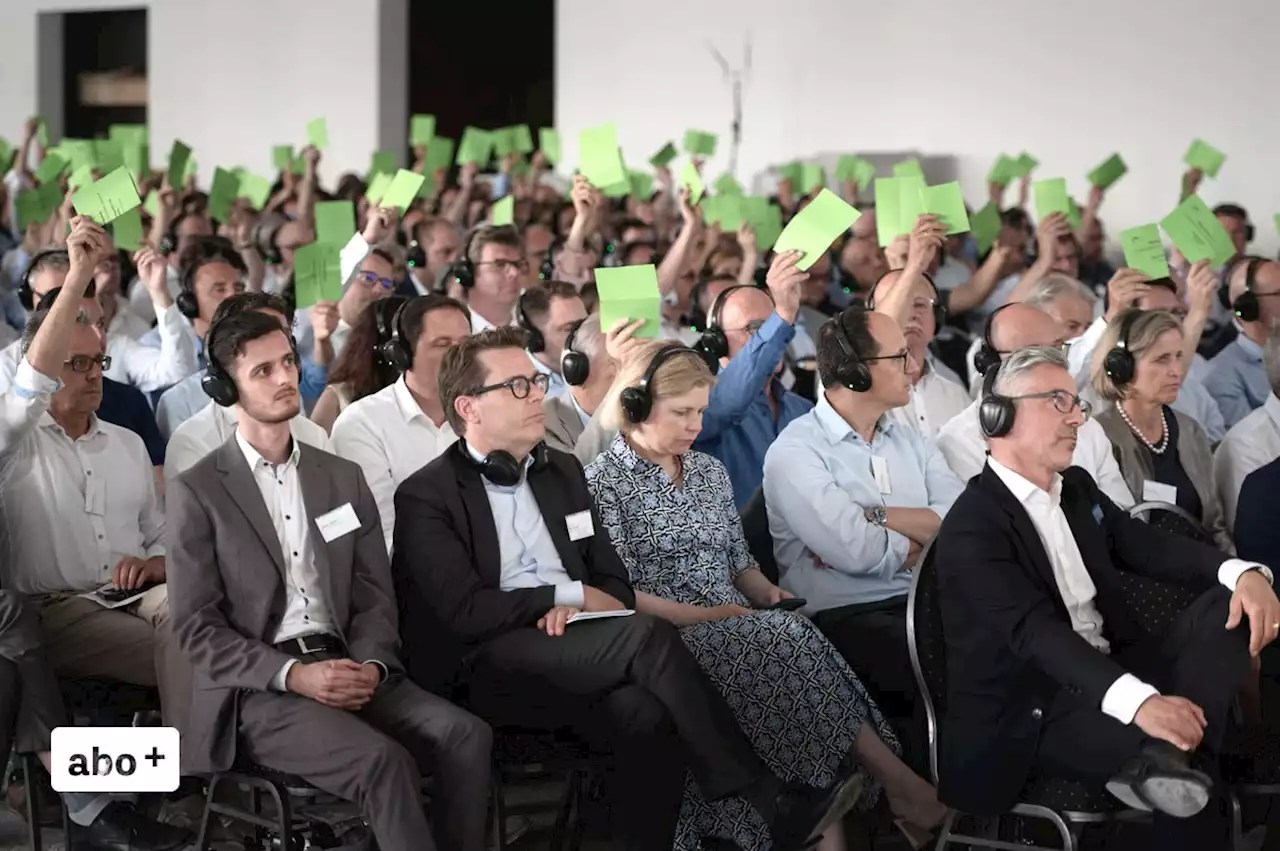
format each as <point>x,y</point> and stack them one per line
<point>461,372</point>
<point>536,301</point>
<point>1234,211</point>
<point>252,301</point>
<point>205,251</point>
<point>625,252</point>
<point>415,310</point>
<point>485,235</point>
<point>227,337</point>
<point>56,259</point>
<point>1166,282</point>
<point>856,323</point>
<point>46,301</point>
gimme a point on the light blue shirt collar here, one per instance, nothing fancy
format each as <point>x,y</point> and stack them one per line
<point>1251,349</point>
<point>837,428</point>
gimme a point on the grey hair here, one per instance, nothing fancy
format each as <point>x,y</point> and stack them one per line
<point>589,337</point>
<point>1055,287</point>
<point>1271,358</point>
<point>1017,365</point>
<point>36,320</point>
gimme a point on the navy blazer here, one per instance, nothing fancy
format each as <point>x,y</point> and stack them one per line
<point>1257,534</point>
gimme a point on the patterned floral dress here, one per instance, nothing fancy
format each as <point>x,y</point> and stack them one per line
<point>793,694</point>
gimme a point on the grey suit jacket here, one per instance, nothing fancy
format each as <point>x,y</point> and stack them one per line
<point>227,576</point>
<point>566,432</point>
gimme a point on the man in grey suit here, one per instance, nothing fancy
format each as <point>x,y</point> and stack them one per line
<point>589,364</point>
<point>281,592</point>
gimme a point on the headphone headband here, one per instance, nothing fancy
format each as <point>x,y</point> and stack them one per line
<point>637,401</point>
<point>852,371</point>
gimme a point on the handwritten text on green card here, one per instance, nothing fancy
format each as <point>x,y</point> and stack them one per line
<point>1144,251</point>
<point>813,229</point>
<point>1197,233</point>
<point>109,198</point>
<point>631,293</point>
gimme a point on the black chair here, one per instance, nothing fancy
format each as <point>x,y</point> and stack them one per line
<point>296,821</point>
<point>1173,519</point>
<point>1065,804</point>
<point>535,757</point>
<point>755,525</point>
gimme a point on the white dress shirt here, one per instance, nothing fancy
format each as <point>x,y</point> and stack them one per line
<point>555,381</point>
<point>140,303</point>
<point>10,357</point>
<point>1127,693</point>
<point>390,437</point>
<point>213,426</point>
<point>479,323</point>
<point>126,322</point>
<point>70,509</point>
<point>150,367</point>
<point>529,555</point>
<point>1251,443</point>
<point>935,401</point>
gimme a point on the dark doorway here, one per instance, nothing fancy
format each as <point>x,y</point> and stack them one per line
<point>483,65</point>
<point>104,70</point>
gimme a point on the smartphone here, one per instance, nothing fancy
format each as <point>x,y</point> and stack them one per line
<point>790,604</point>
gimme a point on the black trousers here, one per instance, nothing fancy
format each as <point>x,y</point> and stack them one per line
<point>872,637</point>
<point>31,703</point>
<point>1197,659</point>
<point>630,689</point>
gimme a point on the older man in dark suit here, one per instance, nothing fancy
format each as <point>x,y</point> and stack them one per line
<point>283,600</point>
<point>1049,668</point>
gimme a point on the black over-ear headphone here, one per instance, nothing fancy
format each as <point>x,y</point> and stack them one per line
<point>547,270</point>
<point>1246,306</point>
<point>501,467</point>
<point>217,383</point>
<point>637,401</point>
<point>852,371</point>
<point>574,365</point>
<point>995,412</point>
<point>988,355</point>
<point>463,270</point>
<point>714,344</point>
<point>939,309</point>
<point>534,341</point>
<point>1119,362</point>
<point>188,304</point>
<point>26,295</point>
<point>396,350</point>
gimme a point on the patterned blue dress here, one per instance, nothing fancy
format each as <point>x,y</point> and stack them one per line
<point>793,694</point>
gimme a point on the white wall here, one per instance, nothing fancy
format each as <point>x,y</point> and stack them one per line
<point>1070,84</point>
<point>235,77</point>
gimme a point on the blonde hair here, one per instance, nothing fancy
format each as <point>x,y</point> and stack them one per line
<point>1146,327</point>
<point>676,376</point>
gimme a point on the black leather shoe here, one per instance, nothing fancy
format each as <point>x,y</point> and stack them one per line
<point>122,828</point>
<point>802,813</point>
<point>1161,778</point>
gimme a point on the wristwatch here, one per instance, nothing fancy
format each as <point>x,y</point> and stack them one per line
<point>1266,573</point>
<point>877,515</point>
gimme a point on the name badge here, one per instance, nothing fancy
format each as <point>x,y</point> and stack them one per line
<point>337,523</point>
<point>880,470</point>
<point>580,525</point>
<point>1159,492</point>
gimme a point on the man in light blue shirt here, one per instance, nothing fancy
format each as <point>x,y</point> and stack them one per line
<point>852,499</point>
<point>1237,379</point>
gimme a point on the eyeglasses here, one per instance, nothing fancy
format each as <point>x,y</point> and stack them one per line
<point>902,356</point>
<point>1062,400</point>
<point>370,278</point>
<point>751,327</point>
<point>84,363</point>
<point>504,265</point>
<point>519,386</point>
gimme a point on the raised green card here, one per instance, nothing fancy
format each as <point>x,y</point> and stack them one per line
<point>986,225</point>
<point>665,155</point>
<point>503,211</point>
<point>727,184</point>
<point>335,222</point>
<point>439,154</point>
<point>179,154</point>
<point>1003,171</point>
<point>402,190</point>
<point>599,158</point>
<point>1051,197</point>
<point>126,230</point>
<point>699,143</point>
<point>793,173</point>
<point>382,162</point>
<point>107,199</point>
<point>317,273</point>
<point>946,201</point>
<point>549,144</point>
<point>690,178</point>
<point>523,138</point>
<point>51,167</point>
<point>282,157</point>
<point>1025,163</point>
<point>641,185</point>
<point>318,133</point>
<point>222,194</point>
<point>378,187</point>
<point>1197,233</point>
<point>812,230</point>
<point>476,147</point>
<point>81,176</point>
<point>888,209</point>
<point>908,168</point>
<point>1105,175</point>
<point>422,129</point>
<point>1144,251</point>
<point>1205,157</point>
<point>631,293</point>
<point>812,176</point>
<point>256,188</point>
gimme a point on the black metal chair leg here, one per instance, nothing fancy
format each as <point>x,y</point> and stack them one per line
<point>284,814</point>
<point>32,794</point>
<point>202,838</point>
<point>499,812</point>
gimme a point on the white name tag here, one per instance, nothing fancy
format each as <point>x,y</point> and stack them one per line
<point>1159,492</point>
<point>337,523</point>
<point>880,470</point>
<point>580,525</point>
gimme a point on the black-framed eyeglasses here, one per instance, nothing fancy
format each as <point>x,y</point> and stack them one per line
<point>370,278</point>
<point>84,363</point>
<point>902,356</point>
<point>519,386</point>
<point>1062,400</point>
<point>503,265</point>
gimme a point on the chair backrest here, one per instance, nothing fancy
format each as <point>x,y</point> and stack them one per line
<point>926,643</point>
<point>1173,519</point>
<point>755,525</point>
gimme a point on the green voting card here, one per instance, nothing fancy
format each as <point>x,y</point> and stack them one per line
<point>282,157</point>
<point>599,158</point>
<point>690,178</point>
<point>700,143</point>
<point>767,224</point>
<point>6,154</point>
<point>317,273</point>
<point>51,167</point>
<point>439,154</point>
<point>378,187</point>
<point>549,144</point>
<point>641,185</point>
<point>857,169</point>
<point>422,129</point>
<point>152,205</point>
<point>476,147</point>
<point>179,154</point>
<point>335,222</point>
<point>402,189</point>
<point>946,201</point>
<point>665,155</point>
<point>1197,233</point>
<point>812,176</point>
<point>109,198</point>
<point>1025,163</point>
<point>986,225</point>
<point>256,188</point>
<point>793,173</point>
<point>504,141</point>
<point>1109,172</point>
<point>1003,171</point>
<point>126,230</point>
<point>846,167</point>
<point>888,209</point>
<point>81,176</point>
<point>911,204</point>
<point>138,159</point>
<point>81,152</point>
<point>128,134</point>
<point>222,194</point>
<point>621,189</point>
<point>727,184</point>
<point>813,229</point>
<point>504,211</point>
<point>1205,157</point>
<point>35,206</point>
<point>908,168</point>
<point>383,162</point>
<point>1051,197</point>
<point>107,155</point>
<point>523,139</point>
<point>318,133</point>
<point>631,293</point>
<point>1144,251</point>
<point>42,134</point>
<point>1277,220</point>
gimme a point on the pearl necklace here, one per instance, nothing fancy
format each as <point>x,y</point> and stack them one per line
<point>1164,426</point>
